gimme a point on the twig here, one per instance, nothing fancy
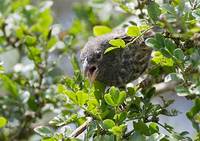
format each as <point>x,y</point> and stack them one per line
<point>164,127</point>
<point>165,86</point>
<point>81,128</point>
<point>136,38</point>
<point>8,39</point>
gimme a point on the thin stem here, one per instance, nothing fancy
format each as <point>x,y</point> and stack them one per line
<point>164,127</point>
<point>128,134</point>
<point>81,128</point>
<point>9,42</point>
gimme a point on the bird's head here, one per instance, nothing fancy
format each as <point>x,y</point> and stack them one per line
<point>91,58</point>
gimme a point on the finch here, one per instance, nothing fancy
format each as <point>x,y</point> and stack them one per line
<point>119,66</point>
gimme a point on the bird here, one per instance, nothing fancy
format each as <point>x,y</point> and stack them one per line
<point>119,66</point>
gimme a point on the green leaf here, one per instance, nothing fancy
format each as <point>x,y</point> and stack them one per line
<point>195,109</point>
<point>151,42</point>
<point>159,59</point>
<point>165,52</point>
<point>144,27</point>
<point>120,117</point>
<point>114,92</point>
<point>115,97</point>
<point>153,11</point>
<point>153,127</point>
<point>137,137</point>
<point>61,120</point>
<point>196,14</point>
<point>19,4</point>
<point>108,123</point>
<point>110,49</point>
<point>75,63</point>
<point>121,97</point>
<point>99,90</point>
<point>158,42</point>
<point>68,40</point>
<point>3,122</point>
<point>117,130</point>
<point>60,88</point>
<point>169,8</point>
<point>182,91</point>
<point>194,115</point>
<point>109,100</point>
<point>34,54</point>
<point>51,43</point>
<point>19,32</point>
<point>133,31</point>
<point>117,43</point>
<point>178,53</point>
<point>100,30</point>
<point>30,40</point>
<point>82,97</point>
<point>170,46</point>
<point>71,95</point>
<point>44,131</point>
<point>174,77</point>
<point>142,128</point>
<point>10,85</point>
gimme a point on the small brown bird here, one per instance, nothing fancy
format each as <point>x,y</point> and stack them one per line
<point>119,66</point>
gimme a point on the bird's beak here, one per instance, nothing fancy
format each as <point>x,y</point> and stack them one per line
<point>90,71</point>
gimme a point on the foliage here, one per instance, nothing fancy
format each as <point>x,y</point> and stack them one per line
<point>35,88</point>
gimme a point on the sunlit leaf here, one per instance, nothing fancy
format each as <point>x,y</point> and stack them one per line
<point>3,122</point>
<point>108,123</point>
<point>82,97</point>
<point>158,58</point>
<point>133,31</point>
<point>117,130</point>
<point>121,98</point>
<point>109,100</point>
<point>51,43</point>
<point>110,49</point>
<point>100,30</point>
<point>153,127</point>
<point>117,43</point>
<point>30,40</point>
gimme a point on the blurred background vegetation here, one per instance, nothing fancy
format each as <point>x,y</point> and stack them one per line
<point>40,43</point>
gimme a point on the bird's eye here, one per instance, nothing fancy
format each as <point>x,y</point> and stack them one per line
<point>98,55</point>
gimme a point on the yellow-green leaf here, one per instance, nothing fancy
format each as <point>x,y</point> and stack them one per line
<point>108,123</point>
<point>30,40</point>
<point>100,30</point>
<point>110,49</point>
<point>117,43</point>
<point>82,97</point>
<point>133,31</point>
<point>3,122</point>
<point>109,100</point>
<point>158,58</point>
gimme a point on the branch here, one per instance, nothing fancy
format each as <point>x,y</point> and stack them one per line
<point>165,86</point>
<point>81,128</point>
<point>10,41</point>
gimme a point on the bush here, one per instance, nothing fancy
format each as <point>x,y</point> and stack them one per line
<point>35,88</point>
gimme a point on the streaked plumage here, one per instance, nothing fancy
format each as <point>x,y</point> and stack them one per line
<point>119,66</point>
